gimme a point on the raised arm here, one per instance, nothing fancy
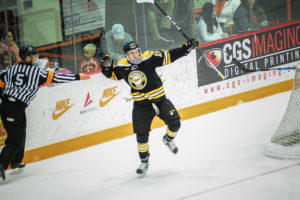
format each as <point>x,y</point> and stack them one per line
<point>184,50</point>
<point>107,65</point>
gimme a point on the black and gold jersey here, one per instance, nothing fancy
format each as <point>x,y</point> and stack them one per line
<point>142,78</point>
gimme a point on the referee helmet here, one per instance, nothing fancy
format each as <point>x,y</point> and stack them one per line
<point>27,50</point>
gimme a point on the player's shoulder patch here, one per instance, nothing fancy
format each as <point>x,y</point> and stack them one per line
<point>158,53</point>
<point>147,54</point>
<point>123,63</point>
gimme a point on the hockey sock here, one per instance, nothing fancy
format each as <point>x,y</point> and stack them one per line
<point>143,149</point>
<point>170,134</point>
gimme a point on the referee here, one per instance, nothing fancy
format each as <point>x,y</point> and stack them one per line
<point>18,87</point>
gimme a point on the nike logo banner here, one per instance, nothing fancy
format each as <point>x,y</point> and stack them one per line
<point>108,95</point>
<point>61,107</point>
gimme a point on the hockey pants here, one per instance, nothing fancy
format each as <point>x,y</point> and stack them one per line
<point>14,121</point>
<point>142,117</point>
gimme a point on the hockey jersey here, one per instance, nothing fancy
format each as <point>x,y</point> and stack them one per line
<point>142,78</point>
<point>89,66</point>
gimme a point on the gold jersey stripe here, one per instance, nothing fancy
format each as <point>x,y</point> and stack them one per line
<point>113,76</point>
<point>148,93</point>
<point>154,97</point>
<point>166,58</point>
<point>144,97</point>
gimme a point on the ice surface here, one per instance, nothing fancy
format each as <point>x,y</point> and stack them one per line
<point>220,157</point>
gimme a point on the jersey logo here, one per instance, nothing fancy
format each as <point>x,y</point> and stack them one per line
<point>134,67</point>
<point>137,80</point>
<point>61,107</point>
<point>108,95</point>
<point>20,79</point>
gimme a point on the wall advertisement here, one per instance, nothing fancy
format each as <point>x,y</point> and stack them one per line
<point>65,111</point>
<point>267,48</point>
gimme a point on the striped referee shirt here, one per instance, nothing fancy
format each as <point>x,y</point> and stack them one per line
<point>22,81</point>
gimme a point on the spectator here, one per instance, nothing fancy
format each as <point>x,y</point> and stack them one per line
<point>89,64</point>
<point>4,62</point>
<point>249,16</point>
<point>225,10</point>
<point>159,25</point>
<point>208,28</point>
<point>9,38</point>
<point>12,55</point>
<point>113,41</point>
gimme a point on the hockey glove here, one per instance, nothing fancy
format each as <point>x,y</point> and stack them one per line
<point>106,63</point>
<point>190,45</point>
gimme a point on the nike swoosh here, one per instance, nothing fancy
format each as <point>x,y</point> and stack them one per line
<point>56,116</point>
<point>103,103</point>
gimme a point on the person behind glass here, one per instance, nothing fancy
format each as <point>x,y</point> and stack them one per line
<point>9,38</point>
<point>225,10</point>
<point>139,71</point>
<point>18,87</point>
<point>4,48</point>
<point>89,64</point>
<point>4,62</point>
<point>249,16</point>
<point>158,25</point>
<point>112,42</point>
<point>208,28</point>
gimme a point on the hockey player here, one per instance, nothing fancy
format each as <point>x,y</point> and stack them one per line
<point>147,91</point>
<point>19,85</point>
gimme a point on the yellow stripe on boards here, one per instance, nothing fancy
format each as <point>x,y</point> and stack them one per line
<point>126,129</point>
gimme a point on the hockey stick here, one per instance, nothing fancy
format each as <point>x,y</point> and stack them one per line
<point>180,30</point>
<point>239,65</point>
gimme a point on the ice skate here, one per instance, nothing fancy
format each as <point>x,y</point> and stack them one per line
<point>142,170</point>
<point>17,168</point>
<point>170,144</point>
<point>2,174</point>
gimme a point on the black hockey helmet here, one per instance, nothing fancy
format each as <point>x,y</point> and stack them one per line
<point>27,50</point>
<point>128,46</point>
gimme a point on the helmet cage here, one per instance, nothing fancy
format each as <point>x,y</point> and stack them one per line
<point>137,60</point>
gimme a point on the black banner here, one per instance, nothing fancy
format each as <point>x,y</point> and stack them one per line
<point>266,48</point>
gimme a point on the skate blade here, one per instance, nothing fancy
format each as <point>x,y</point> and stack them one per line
<point>142,175</point>
<point>16,171</point>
